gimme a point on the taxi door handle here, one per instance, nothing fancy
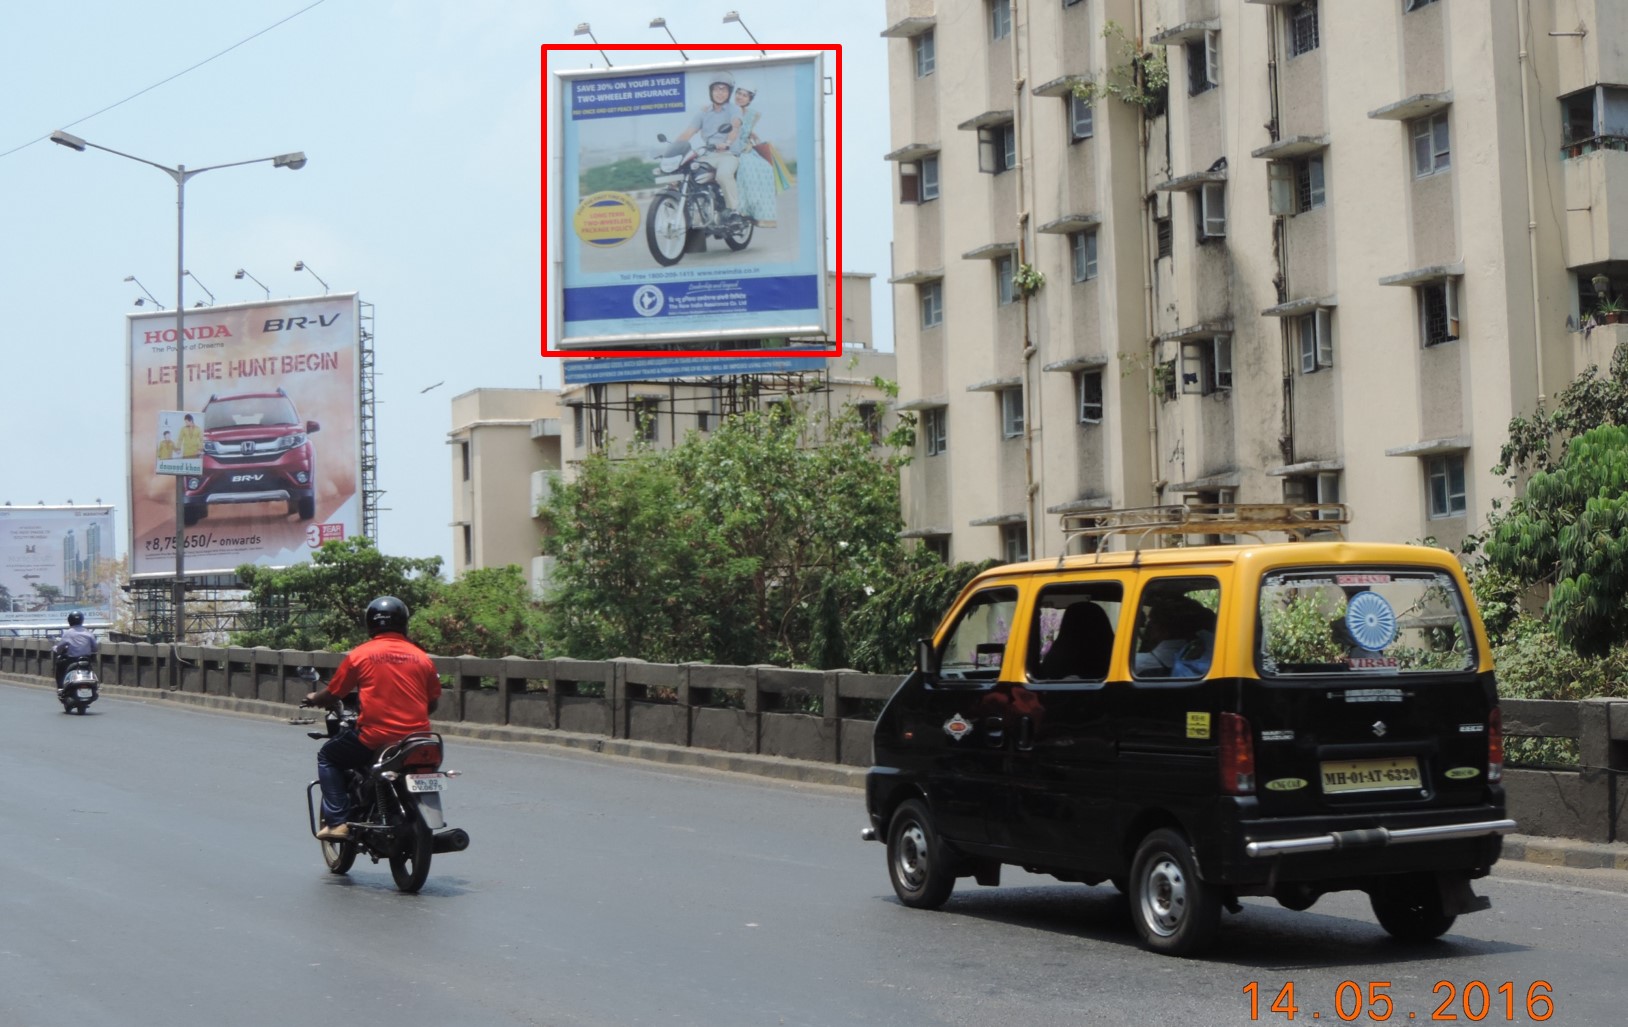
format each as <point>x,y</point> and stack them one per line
<point>1025,733</point>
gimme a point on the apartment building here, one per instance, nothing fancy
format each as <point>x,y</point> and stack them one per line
<point>1328,262</point>
<point>657,413</point>
<point>505,460</point>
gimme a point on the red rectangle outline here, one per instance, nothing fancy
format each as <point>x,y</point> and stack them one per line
<point>836,99</point>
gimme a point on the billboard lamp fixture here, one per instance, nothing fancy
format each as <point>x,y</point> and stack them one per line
<point>143,288</point>
<point>202,286</point>
<point>661,23</point>
<point>242,274</point>
<point>582,30</point>
<point>179,174</point>
<point>734,16</point>
<point>300,265</point>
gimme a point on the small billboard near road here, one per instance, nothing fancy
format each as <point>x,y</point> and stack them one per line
<point>273,393</point>
<point>53,560</point>
<point>689,203</point>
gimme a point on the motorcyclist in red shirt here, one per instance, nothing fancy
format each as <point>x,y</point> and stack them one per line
<point>398,688</point>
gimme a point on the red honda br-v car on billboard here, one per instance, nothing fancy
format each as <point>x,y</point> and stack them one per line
<point>256,450</point>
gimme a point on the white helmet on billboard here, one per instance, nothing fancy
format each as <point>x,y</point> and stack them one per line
<point>721,77</point>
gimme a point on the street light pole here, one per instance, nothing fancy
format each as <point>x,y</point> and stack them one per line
<point>180,174</point>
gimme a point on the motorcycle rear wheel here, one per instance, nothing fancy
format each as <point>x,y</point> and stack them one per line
<point>410,865</point>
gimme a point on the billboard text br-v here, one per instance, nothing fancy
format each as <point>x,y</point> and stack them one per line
<point>690,202</point>
<point>275,387</point>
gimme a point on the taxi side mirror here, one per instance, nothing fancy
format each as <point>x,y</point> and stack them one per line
<point>926,657</point>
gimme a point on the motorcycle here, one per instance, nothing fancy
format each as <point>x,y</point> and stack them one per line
<point>690,207</point>
<point>395,807</point>
<point>79,686</point>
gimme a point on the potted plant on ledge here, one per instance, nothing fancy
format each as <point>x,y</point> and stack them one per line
<point>1611,309</point>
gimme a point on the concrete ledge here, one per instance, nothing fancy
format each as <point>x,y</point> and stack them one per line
<point>1566,852</point>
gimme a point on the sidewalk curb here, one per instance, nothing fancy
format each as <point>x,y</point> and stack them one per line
<point>1558,852</point>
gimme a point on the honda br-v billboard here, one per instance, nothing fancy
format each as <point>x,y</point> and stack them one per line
<point>270,411</point>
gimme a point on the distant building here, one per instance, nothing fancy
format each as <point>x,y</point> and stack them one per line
<point>505,459</point>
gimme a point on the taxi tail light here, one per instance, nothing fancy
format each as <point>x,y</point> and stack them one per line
<point>1237,756</point>
<point>1495,745</point>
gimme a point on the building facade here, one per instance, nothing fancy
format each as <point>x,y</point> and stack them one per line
<point>1328,261</point>
<point>505,459</point>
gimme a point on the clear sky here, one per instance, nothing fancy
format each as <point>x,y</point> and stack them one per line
<point>420,120</point>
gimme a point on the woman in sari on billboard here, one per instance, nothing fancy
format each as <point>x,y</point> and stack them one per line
<point>757,175</point>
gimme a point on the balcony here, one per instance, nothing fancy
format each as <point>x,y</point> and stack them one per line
<point>1597,203</point>
<point>543,484</point>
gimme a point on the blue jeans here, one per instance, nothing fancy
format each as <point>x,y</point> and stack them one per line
<point>339,754</point>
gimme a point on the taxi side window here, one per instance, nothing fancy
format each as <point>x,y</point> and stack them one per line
<point>977,643</point>
<point>1072,637</point>
<point>1175,628</point>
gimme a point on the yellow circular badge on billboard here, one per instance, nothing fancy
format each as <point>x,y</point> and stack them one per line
<point>606,219</point>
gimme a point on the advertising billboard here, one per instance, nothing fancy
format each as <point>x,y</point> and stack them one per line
<point>55,559</point>
<point>273,390</point>
<point>689,202</point>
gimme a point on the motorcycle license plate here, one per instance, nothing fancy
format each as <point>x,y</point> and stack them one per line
<point>426,782</point>
<point>85,693</point>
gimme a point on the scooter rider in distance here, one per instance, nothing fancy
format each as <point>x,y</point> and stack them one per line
<point>398,689</point>
<point>73,644</point>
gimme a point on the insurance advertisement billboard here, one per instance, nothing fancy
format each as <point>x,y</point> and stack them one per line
<point>689,202</point>
<point>273,393</point>
<point>55,559</point>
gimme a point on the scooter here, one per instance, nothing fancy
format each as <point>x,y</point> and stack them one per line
<point>395,807</point>
<point>79,686</point>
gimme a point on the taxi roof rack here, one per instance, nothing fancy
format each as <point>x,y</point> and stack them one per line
<point>1299,521</point>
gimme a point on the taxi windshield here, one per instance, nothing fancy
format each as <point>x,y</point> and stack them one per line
<point>1357,620</point>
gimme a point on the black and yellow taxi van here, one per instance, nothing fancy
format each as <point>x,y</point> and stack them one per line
<point>1204,722</point>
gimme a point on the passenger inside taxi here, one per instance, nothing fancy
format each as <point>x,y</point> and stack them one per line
<point>1177,639</point>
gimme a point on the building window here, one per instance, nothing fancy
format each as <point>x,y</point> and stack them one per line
<point>918,180</point>
<point>1163,235</point>
<point>1000,20</point>
<point>646,416</point>
<point>1083,247</point>
<point>870,420</point>
<point>1303,28</point>
<point>1081,118</point>
<point>469,545</point>
<point>1088,388</point>
<point>1296,186</point>
<point>1431,151</point>
<point>926,54</point>
<point>1212,211</point>
<point>934,430</point>
<point>1011,413</point>
<point>932,304</point>
<point>1015,542</point>
<point>1204,63</point>
<point>579,427</point>
<point>463,458</point>
<point>1414,5</point>
<point>1166,380</point>
<point>1444,476</point>
<point>1206,365</point>
<point>939,546</point>
<point>997,148</point>
<point>1322,487</point>
<point>1316,331</point>
<point>1004,291</point>
<point>1438,311</point>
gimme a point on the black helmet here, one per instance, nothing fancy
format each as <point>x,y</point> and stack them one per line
<point>75,619</point>
<point>386,613</point>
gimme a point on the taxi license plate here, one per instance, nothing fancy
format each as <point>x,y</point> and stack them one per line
<point>85,693</point>
<point>426,782</point>
<point>1370,775</point>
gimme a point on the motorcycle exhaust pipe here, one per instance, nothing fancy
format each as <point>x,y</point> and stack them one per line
<point>454,840</point>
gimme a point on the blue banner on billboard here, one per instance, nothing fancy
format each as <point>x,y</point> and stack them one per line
<point>602,370</point>
<point>691,203</point>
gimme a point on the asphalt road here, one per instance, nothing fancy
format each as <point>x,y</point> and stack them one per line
<point>158,869</point>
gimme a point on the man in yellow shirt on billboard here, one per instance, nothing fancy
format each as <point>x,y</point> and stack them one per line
<point>191,438</point>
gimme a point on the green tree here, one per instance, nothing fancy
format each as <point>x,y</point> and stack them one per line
<point>882,633</point>
<point>319,605</point>
<point>626,175</point>
<point>1592,399</point>
<point>489,612</point>
<point>733,547</point>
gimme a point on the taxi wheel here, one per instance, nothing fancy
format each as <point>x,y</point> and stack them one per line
<point>917,860</point>
<point>1410,908</point>
<point>1176,913</point>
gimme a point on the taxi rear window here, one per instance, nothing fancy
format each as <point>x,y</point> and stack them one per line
<point>1379,621</point>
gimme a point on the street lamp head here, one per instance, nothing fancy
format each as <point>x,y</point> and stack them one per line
<point>583,29</point>
<point>129,278</point>
<point>730,16</point>
<point>239,275</point>
<point>299,265</point>
<point>292,161</point>
<point>72,142</point>
<point>658,23</point>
